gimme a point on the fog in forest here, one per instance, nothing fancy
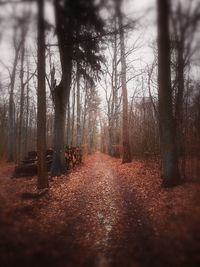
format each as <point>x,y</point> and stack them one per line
<point>100,133</point>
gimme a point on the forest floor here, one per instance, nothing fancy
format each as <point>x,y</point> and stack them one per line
<point>102,214</point>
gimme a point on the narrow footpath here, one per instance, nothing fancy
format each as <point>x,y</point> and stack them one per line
<point>92,217</point>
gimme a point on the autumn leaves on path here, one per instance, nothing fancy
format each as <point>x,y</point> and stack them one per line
<point>103,214</point>
<point>117,232</point>
<point>108,222</point>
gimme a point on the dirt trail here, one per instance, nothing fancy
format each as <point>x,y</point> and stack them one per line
<point>120,235</point>
<point>93,217</point>
<point>105,220</point>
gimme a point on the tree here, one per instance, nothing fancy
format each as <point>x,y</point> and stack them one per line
<point>41,98</point>
<point>11,116</point>
<point>126,153</point>
<point>78,120</point>
<point>111,87</point>
<point>20,153</point>
<point>24,30</point>
<point>185,20</point>
<point>93,111</point>
<point>77,22</point>
<point>170,172</point>
<point>62,90</point>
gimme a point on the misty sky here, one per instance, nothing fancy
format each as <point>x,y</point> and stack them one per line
<point>143,9</point>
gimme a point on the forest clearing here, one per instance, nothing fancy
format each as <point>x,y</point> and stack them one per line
<point>101,214</point>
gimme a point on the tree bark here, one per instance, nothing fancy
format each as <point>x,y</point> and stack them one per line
<point>78,106</point>
<point>61,94</point>
<point>83,138</point>
<point>42,182</point>
<point>68,124</point>
<point>21,115</point>
<point>73,114</point>
<point>11,117</point>
<point>179,107</point>
<point>27,113</point>
<point>170,172</point>
<point>126,153</point>
<point>116,97</point>
<point>58,165</point>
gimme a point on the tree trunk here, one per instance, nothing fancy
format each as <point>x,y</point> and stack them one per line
<point>11,126</point>
<point>110,134</point>
<point>73,116</point>
<point>68,124</point>
<point>27,114</point>
<point>61,98</point>
<point>58,165</point>
<point>83,138</point>
<point>41,102</point>
<point>170,172</point>
<point>179,107</point>
<point>78,106</point>
<point>126,153</point>
<point>61,94</point>
<point>21,115</point>
<point>116,98</point>
<point>11,119</point>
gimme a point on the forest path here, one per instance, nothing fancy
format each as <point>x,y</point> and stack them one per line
<point>106,220</point>
<point>101,214</point>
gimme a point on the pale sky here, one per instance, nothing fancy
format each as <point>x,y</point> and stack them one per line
<point>133,9</point>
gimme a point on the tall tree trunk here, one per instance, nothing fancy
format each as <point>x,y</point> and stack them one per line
<point>21,115</point>
<point>73,116</point>
<point>170,172</point>
<point>110,134</point>
<point>83,138</point>
<point>11,126</point>
<point>179,106</point>
<point>90,132</point>
<point>27,114</point>
<point>78,106</point>
<point>68,124</point>
<point>126,153</point>
<point>61,94</point>
<point>58,165</point>
<point>116,98</point>
<point>11,117</point>
<point>41,101</point>
<point>180,85</point>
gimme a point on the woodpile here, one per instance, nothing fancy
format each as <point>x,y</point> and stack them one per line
<point>28,167</point>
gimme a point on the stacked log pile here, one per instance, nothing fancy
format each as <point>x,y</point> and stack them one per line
<point>28,166</point>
